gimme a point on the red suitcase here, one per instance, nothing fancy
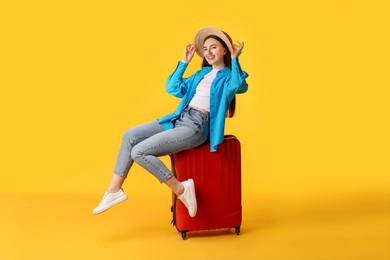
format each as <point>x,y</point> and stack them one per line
<point>217,178</point>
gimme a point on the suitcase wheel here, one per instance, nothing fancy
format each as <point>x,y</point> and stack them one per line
<point>184,235</point>
<point>237,230</point>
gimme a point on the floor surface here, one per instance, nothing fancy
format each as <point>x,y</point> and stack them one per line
<point>53,226</point>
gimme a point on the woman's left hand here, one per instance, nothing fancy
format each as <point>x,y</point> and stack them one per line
<point>237,49</point>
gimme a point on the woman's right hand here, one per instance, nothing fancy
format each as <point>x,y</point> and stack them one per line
<point>188,53</point>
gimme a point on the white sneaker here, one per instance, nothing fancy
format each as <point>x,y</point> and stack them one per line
<point>188,197</point>
<point>109,200</point>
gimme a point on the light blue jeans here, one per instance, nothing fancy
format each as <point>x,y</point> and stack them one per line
<point>145,143</point>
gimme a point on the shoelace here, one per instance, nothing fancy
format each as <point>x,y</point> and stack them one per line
<point>185,202</point>
<point>105,196</point>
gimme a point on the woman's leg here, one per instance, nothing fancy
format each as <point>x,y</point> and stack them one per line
<point>175,185</point>
<point>116,183</point>
<point>191,130</point>
<point>145,144</point>
<point>131,137</point>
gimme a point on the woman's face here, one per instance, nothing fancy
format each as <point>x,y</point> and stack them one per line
<point>214,52</point>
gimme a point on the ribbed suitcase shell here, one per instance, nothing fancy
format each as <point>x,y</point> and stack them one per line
<point>217,178</point>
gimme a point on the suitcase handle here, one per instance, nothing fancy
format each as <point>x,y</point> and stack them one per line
<point>229,137</point>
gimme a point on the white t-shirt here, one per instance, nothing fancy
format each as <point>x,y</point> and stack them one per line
<point>201,98</point>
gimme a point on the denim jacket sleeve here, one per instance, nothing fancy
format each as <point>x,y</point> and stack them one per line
<point>237,83</point>
<point>176,85</point>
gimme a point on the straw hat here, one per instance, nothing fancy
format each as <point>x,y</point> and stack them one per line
<point>203,33</point>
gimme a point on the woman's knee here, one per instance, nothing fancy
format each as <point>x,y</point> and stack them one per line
<point>136,153</point>
<point>129,137</point>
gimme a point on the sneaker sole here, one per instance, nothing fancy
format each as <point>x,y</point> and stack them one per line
<point>192,193</point>
<point>113,203</point>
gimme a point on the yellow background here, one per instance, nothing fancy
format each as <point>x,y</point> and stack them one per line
<point>314,124</point>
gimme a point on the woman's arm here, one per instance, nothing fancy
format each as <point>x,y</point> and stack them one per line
<point>176,85</point>
<point>237,83</point>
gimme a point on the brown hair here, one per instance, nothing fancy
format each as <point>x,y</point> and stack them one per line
<point>228,62</point>
<point>232,108</point>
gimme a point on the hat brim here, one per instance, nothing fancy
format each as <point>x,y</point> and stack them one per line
<point>203,33</point>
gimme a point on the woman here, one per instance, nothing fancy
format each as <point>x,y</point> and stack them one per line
<point>206,96</point>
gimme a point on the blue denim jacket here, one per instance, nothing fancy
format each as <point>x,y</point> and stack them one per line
<point>227,83</point>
